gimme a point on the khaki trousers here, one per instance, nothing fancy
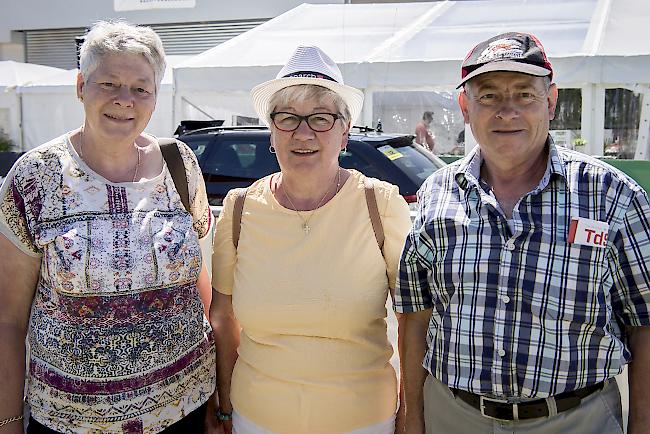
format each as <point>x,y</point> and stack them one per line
<point>599,413</point>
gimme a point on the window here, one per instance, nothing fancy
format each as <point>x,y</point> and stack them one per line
<point>409,160</point>
<point>400,112</point>
<point>622,116</point>
<point>241,158</point>
<point>351,160</point>
<point>197,144</point>
<point>567,125</point>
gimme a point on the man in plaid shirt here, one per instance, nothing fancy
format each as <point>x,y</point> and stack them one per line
<point>523,286</point>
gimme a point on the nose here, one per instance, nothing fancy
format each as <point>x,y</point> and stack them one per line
<point>303,130</point>
<point>508,109</point>
<point>123,96</point>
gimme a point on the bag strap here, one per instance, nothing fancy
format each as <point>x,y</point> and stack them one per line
<point>172,156</point>
<point>238,208</point>
<point>373,210</point>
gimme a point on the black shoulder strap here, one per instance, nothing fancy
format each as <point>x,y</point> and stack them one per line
<point>172,156</point>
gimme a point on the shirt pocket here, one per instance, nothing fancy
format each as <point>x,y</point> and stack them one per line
<point>66,256</point>
<point>568,283</point>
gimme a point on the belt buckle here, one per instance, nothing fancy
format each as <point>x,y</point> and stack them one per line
<point>515,407</point>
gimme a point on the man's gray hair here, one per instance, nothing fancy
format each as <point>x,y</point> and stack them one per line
<point>546,79</point>
<point>120,37</point>
<point>304,92</point>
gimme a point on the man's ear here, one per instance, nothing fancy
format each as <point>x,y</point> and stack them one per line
<point>552,100</point>
<point>462,102</point>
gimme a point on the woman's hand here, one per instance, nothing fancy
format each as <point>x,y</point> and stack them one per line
<point>212,425</point>
<point>227,426</point>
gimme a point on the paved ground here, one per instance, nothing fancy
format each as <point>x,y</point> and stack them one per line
<point>392,336</point>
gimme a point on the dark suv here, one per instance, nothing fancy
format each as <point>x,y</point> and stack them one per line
<point>233,157</point>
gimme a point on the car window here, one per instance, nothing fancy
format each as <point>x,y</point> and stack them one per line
<point>352,160</point>
<point>241,157</point>
<point>410,160</point>
<point>197,144</point>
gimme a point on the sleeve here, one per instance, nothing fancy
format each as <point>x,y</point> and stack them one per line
<point>224,256</point>
<point>413,291</point>
<point>631,290</point>
<point>396,222</point>
<point>20,203</point>
<point>199,206</point>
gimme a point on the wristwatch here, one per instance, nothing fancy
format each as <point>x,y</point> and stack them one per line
<point>223,416</point>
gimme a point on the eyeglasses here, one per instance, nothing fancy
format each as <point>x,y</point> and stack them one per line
<point>319,122</point>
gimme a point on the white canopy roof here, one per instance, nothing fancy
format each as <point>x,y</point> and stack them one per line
<point>14,74</point>
<point>381,48</point>
<point>411,45</point>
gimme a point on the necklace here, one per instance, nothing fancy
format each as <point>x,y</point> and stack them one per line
<point>305,221</point>
<point>81,154</point>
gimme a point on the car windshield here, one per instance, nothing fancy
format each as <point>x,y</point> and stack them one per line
<point>413,162</point>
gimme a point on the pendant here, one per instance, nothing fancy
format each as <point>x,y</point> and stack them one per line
<point>306,228</point>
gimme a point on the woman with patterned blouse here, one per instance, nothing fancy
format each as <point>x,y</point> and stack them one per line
<point>100,263</point>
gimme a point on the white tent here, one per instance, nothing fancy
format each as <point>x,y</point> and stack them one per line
<point>50,106</point>
<point>593,45</point>
<point>13,74</point>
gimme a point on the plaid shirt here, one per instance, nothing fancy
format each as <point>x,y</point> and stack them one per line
<point>517,310</point>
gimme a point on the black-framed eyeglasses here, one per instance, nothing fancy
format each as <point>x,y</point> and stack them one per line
<point>319,122</point>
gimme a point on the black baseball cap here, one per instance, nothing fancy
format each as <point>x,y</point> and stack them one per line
<point>513,51</point>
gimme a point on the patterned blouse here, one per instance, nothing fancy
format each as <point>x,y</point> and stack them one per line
<point>118,339</point>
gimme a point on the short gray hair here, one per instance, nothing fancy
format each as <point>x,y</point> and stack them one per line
<point>546,79</point>
<point>304,92</point>
<point>120,37</point>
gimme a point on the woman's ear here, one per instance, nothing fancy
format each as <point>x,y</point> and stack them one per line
<point>80,86</point>
<point>344,138</point>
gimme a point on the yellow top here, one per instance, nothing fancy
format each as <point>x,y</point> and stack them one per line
<point>314,355</point>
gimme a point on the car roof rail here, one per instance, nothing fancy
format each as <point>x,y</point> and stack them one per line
<point>191,125</point>
<point>228,128</point>
<point>363,129</point>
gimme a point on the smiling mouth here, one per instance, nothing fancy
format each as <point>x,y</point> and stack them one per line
<point>118,118</point>
<point>304,151</point>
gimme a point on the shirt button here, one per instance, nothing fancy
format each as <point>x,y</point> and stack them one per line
<point>505,299</point>
<point>501,352</point>
<point>510,245</point>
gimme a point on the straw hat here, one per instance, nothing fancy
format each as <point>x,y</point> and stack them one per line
<point>307,65</point>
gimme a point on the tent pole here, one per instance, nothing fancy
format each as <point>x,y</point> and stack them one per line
<point>21,145</point>
<point>366,112</point>
<point>592,120</point>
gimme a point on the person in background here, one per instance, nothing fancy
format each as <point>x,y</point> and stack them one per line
<point>523,287</point>
<point>423,134</point>
<point>299,309</point>
<point>105,263</point>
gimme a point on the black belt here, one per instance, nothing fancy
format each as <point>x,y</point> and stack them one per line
<point>503,410</point>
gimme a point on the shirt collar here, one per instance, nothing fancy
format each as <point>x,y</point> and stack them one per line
<point>468,172</point>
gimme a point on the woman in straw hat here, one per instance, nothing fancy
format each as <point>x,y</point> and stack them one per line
<point>306,280</point>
